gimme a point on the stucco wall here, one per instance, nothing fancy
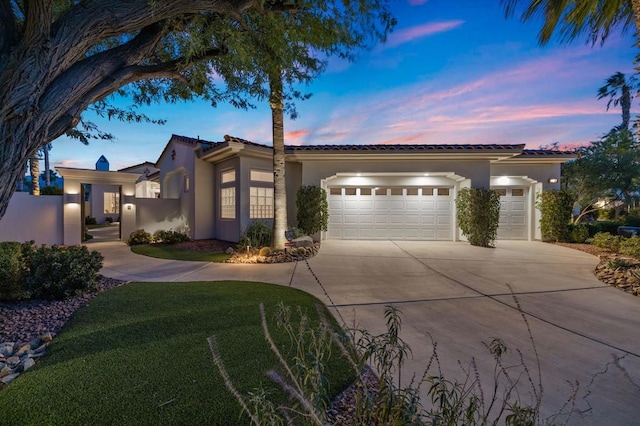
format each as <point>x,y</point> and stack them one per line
<point>477,171</point>
<point>538,172</point>
<point>154,214</point>
<point>293,177</point>
<point>29,217</point>
<point>227,229</point>
<point>203,197</point>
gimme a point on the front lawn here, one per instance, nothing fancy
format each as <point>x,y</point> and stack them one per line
<point>167,251</point>
<point>138,355</point>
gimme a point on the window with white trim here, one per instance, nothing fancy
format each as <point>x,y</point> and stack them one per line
<point>228,194</point>
<point>111,202</point>
<point>261,176</point>
<point>261,203</point>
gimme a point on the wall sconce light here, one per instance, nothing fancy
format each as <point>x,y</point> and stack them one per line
<point>129,199</point>
<point>72,198</point>
<point>553,180</point>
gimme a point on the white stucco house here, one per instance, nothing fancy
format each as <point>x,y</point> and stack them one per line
<point>374,191</point>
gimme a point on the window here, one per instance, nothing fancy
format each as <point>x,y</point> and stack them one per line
<point>335,191</point>
<point>261,203</point>
<point>229,176</point>
<point>187,184</point>
<point>260,176</point>
<point>349,191</point>
<point>443,191</point>
<point>517,192</point>
<point>111,202</point>
<point>412,191</point>
<point>365,191</point>
<point>501,192</point>
<point>381,191</point>
<point>396,191</point>
<point>427,192</point>
<point>228,203</point>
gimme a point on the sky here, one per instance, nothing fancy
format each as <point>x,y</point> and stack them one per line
<point>446,75</point>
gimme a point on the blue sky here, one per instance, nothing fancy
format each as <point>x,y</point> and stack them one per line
<point>454,75</point>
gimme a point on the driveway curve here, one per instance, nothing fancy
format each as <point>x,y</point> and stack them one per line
<point>460,296</point>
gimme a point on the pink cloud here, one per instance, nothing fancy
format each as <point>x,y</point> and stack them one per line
<point>297,134</point>
<point>404,139</point>
<point>412,33</point>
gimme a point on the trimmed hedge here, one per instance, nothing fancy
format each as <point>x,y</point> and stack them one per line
<point>555,210</point>
<point>312,209</point>
<point>170,237</point>
<point>54,272</point>
<point>478,212</point>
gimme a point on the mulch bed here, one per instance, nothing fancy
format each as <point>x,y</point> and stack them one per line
<point>587,248</point>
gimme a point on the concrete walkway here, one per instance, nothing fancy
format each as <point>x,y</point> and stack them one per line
<point>460,296</point>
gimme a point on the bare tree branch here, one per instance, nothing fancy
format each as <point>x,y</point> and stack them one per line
<point>37,20</point>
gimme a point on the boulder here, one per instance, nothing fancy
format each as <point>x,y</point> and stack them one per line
<point>305,241</point>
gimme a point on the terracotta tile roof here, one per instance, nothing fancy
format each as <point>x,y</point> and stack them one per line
<point>405,148</point>
<point>187,140</point>
<point>545,152</point>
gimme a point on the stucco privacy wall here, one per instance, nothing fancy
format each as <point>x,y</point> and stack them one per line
<point>30,217</point>
<point>154,214</point>
<point>203,196</point>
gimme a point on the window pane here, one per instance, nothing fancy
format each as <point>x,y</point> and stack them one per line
<point>412,191</point>
<point>111,202</point>
<point>396,191</point>
<point>365,191</point>
<point>261,206</point>
<point>427,191</point>
<point>261,176</point>
<point>381,191</point>
<point>350,191</point>
<point>335,191</point>
<point>228,176</point>
<point>443,191</point>
<point>502,191</point>
<point>228,203</point>
<point>517,192</point>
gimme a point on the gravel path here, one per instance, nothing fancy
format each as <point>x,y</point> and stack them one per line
<point>24,321</point>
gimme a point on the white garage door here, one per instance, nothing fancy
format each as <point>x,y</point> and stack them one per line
<point>513,214</point>
<point>390,213</point>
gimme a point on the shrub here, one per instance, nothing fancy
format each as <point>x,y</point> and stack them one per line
<point>90,220</point>
<point>11,271</point>
<point>555,209</point>
<point>606,241</point>
<point>313,209</point>
<point>56,272</point>
<point>478,212</point>
<point>631,247</point>
<point>619,263</point>
<point>139,237</point>
<point>606,214</point>
<point>170,237</point>
<point>579,233</point>
<point>603,226</point>
<point>265,251</point>
<point>257,234</point>
<point>631,219</point>
<point>51,190</point>
<point>108,220</point>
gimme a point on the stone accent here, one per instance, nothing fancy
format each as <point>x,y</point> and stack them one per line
<point>625,278</point>
<point>291,254</point>
<point>15,359</point>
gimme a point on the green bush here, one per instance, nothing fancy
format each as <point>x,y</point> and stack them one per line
<point>108,220</point>
<point>56,272</point>
<point>90,220</point>
<point>606,241</point>
<point>579,233</point>
<point>139,237</point>
<point>606,214</point>
<point>555,209</point>
<point>631,219</point>
<point>258,234</point>
<point>631,247</point>
<point>313,209</point>
<point>51,190</point>
<point>603,226</point>
<point>170,237</point>
<point>478,212</point>
<point>11,271</point>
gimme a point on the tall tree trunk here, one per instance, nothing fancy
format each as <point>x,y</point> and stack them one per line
<point>625,104</point>
<point>279,189</point>
<point>47,173</point>
<point>34,169</point>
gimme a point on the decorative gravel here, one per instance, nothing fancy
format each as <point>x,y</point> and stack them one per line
<point>22,322</point>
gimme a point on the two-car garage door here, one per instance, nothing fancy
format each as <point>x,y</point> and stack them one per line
<point>410,213</point>
<point>413,213</point>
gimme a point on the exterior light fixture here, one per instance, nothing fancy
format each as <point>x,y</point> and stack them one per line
<point>129,199</point>
<point>359,174</point>
<point>553,180</point>
<point>426,174</point>
<point>72,198</point>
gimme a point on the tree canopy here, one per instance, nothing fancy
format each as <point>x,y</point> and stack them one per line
<point>60,57</point>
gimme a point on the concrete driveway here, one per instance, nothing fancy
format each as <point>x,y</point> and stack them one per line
<point>458,295</point>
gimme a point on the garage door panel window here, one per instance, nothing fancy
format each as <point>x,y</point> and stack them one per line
<point>350,191</point>
<point>381,191</point>
<point>427,192</point>
<point>517,192</point>
<point>443,192</point>
<point>513,214</point>
<point>365,191</point>
<point>397,191</point>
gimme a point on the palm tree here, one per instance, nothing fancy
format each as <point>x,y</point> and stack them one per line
<point>618,89</point>
<point>47,175</point>
<point>594,19</point>
<point>34,171</point>
<point>276,102</point>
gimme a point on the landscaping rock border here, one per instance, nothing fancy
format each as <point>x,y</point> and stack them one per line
<point>624,278</point>
<point>292,254</point>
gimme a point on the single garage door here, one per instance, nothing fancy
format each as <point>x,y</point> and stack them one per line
<point>409,213</point>
<point>513,214</point>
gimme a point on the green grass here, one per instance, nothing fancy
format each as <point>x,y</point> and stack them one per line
<point>165,251</point>
<point>137,355</point>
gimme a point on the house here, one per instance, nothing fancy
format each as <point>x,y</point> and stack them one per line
<point>374,191</point>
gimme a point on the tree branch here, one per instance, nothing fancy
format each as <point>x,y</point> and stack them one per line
<point>8,29</point>
<point>37,20</point>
